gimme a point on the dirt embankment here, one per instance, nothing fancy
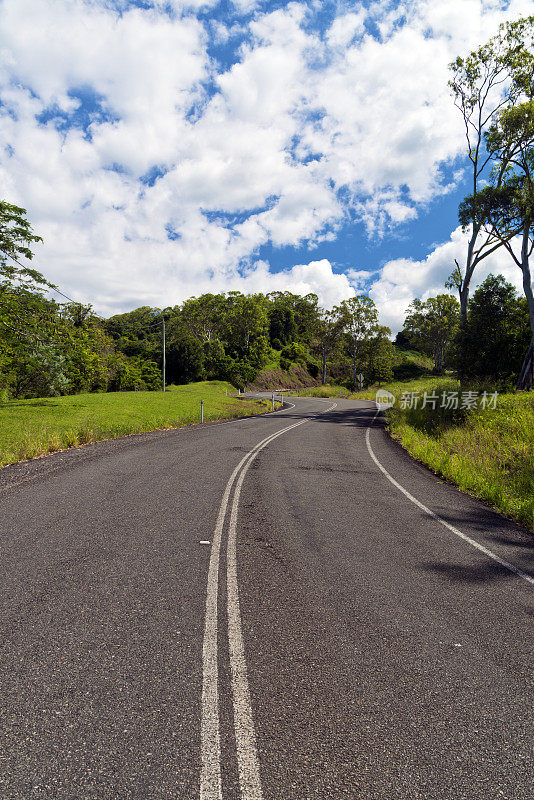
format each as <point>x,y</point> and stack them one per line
<point>295,378</point>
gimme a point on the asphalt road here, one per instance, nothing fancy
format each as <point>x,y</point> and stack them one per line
<point>280,608</point>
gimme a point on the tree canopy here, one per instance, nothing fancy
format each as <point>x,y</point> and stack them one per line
<point>486,84</point>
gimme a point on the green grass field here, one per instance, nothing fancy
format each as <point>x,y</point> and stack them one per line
<point>486,452</point>
<point>30,428</point>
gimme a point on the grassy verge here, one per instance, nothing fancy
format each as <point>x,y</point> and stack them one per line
<point>419,384</point>
<point>325,391</point>
<point>30,428</point>
<point>486,452</point>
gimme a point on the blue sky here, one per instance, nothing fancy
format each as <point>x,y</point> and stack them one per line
<point>172,147</point>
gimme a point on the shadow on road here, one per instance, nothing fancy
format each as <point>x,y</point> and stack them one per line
<point>482,520</point>
<point>459,573</point>
<point>355,417</point>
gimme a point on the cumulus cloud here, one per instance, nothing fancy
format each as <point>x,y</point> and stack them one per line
<point>153,173</point>
<point>317,277</point>
<point>403,279</point>
<point>345,28</point>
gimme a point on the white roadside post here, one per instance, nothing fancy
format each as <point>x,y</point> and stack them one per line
<point>202,410</point>
<point>272,400</point>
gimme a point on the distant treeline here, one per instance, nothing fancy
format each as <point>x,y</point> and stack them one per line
<point>488,346</point>
<point>50,348</point>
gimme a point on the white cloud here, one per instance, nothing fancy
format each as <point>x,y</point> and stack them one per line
<point>359,278</point>
<point>403,279</point>
<point>300,131</point>
<point>317,277</point>
<point>245,6</point>
<point>345,28</point>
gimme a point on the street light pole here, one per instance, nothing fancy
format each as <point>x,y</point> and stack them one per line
<point>163,371</point>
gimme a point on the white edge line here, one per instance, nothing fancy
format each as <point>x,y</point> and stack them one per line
<point>506,564</point>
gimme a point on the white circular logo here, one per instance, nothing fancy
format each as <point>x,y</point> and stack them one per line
<point>384,399</point>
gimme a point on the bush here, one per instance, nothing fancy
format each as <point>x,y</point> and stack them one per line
<point>127,378</point>
<point>185,360</point>
<point>217,365</point>
<point>408,370</point>
<point>285,364</point>
<point>241,373</point>
<point>295,353</point>
<point>151,375</point>
<point>39,371</point>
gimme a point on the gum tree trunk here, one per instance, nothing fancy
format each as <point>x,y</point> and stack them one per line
<point>526,375</point>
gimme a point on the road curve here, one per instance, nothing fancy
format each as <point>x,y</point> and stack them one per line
<point>280,608</point>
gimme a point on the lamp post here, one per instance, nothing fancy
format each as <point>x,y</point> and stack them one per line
<point>163,369</point>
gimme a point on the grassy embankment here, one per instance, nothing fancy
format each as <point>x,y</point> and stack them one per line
<point>486,452</point>
<point>30,428</point>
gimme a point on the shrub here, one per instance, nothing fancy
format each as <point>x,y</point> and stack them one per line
<point>295,353</point>
<point>241,373</point>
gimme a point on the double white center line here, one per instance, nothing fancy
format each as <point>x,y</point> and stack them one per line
<point>247,754</point>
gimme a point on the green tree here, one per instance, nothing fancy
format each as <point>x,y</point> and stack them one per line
<point>327,338</point>
<point>21,304</point>
<point>203,316</point>
<point>358,319</point>
<point>380,357</point>
<point>505,209</point>
<point>16,240</point>
<point>492,78</point>
<point>38,370</point>
<point>497,330</point>
<point>303,310</point>
<point>137,333</point>
<point>29,325</point>
<point>245,328</point>
<point>217,365</point>
<point>432,325</point>
<point>185,359</point>
<point>87,348</point>
<point>282,326</point>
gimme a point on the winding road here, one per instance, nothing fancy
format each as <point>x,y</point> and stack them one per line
<point>284,607</point>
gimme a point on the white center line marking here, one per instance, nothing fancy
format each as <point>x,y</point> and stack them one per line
<point>210,771</point>
<point>506,564</point>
